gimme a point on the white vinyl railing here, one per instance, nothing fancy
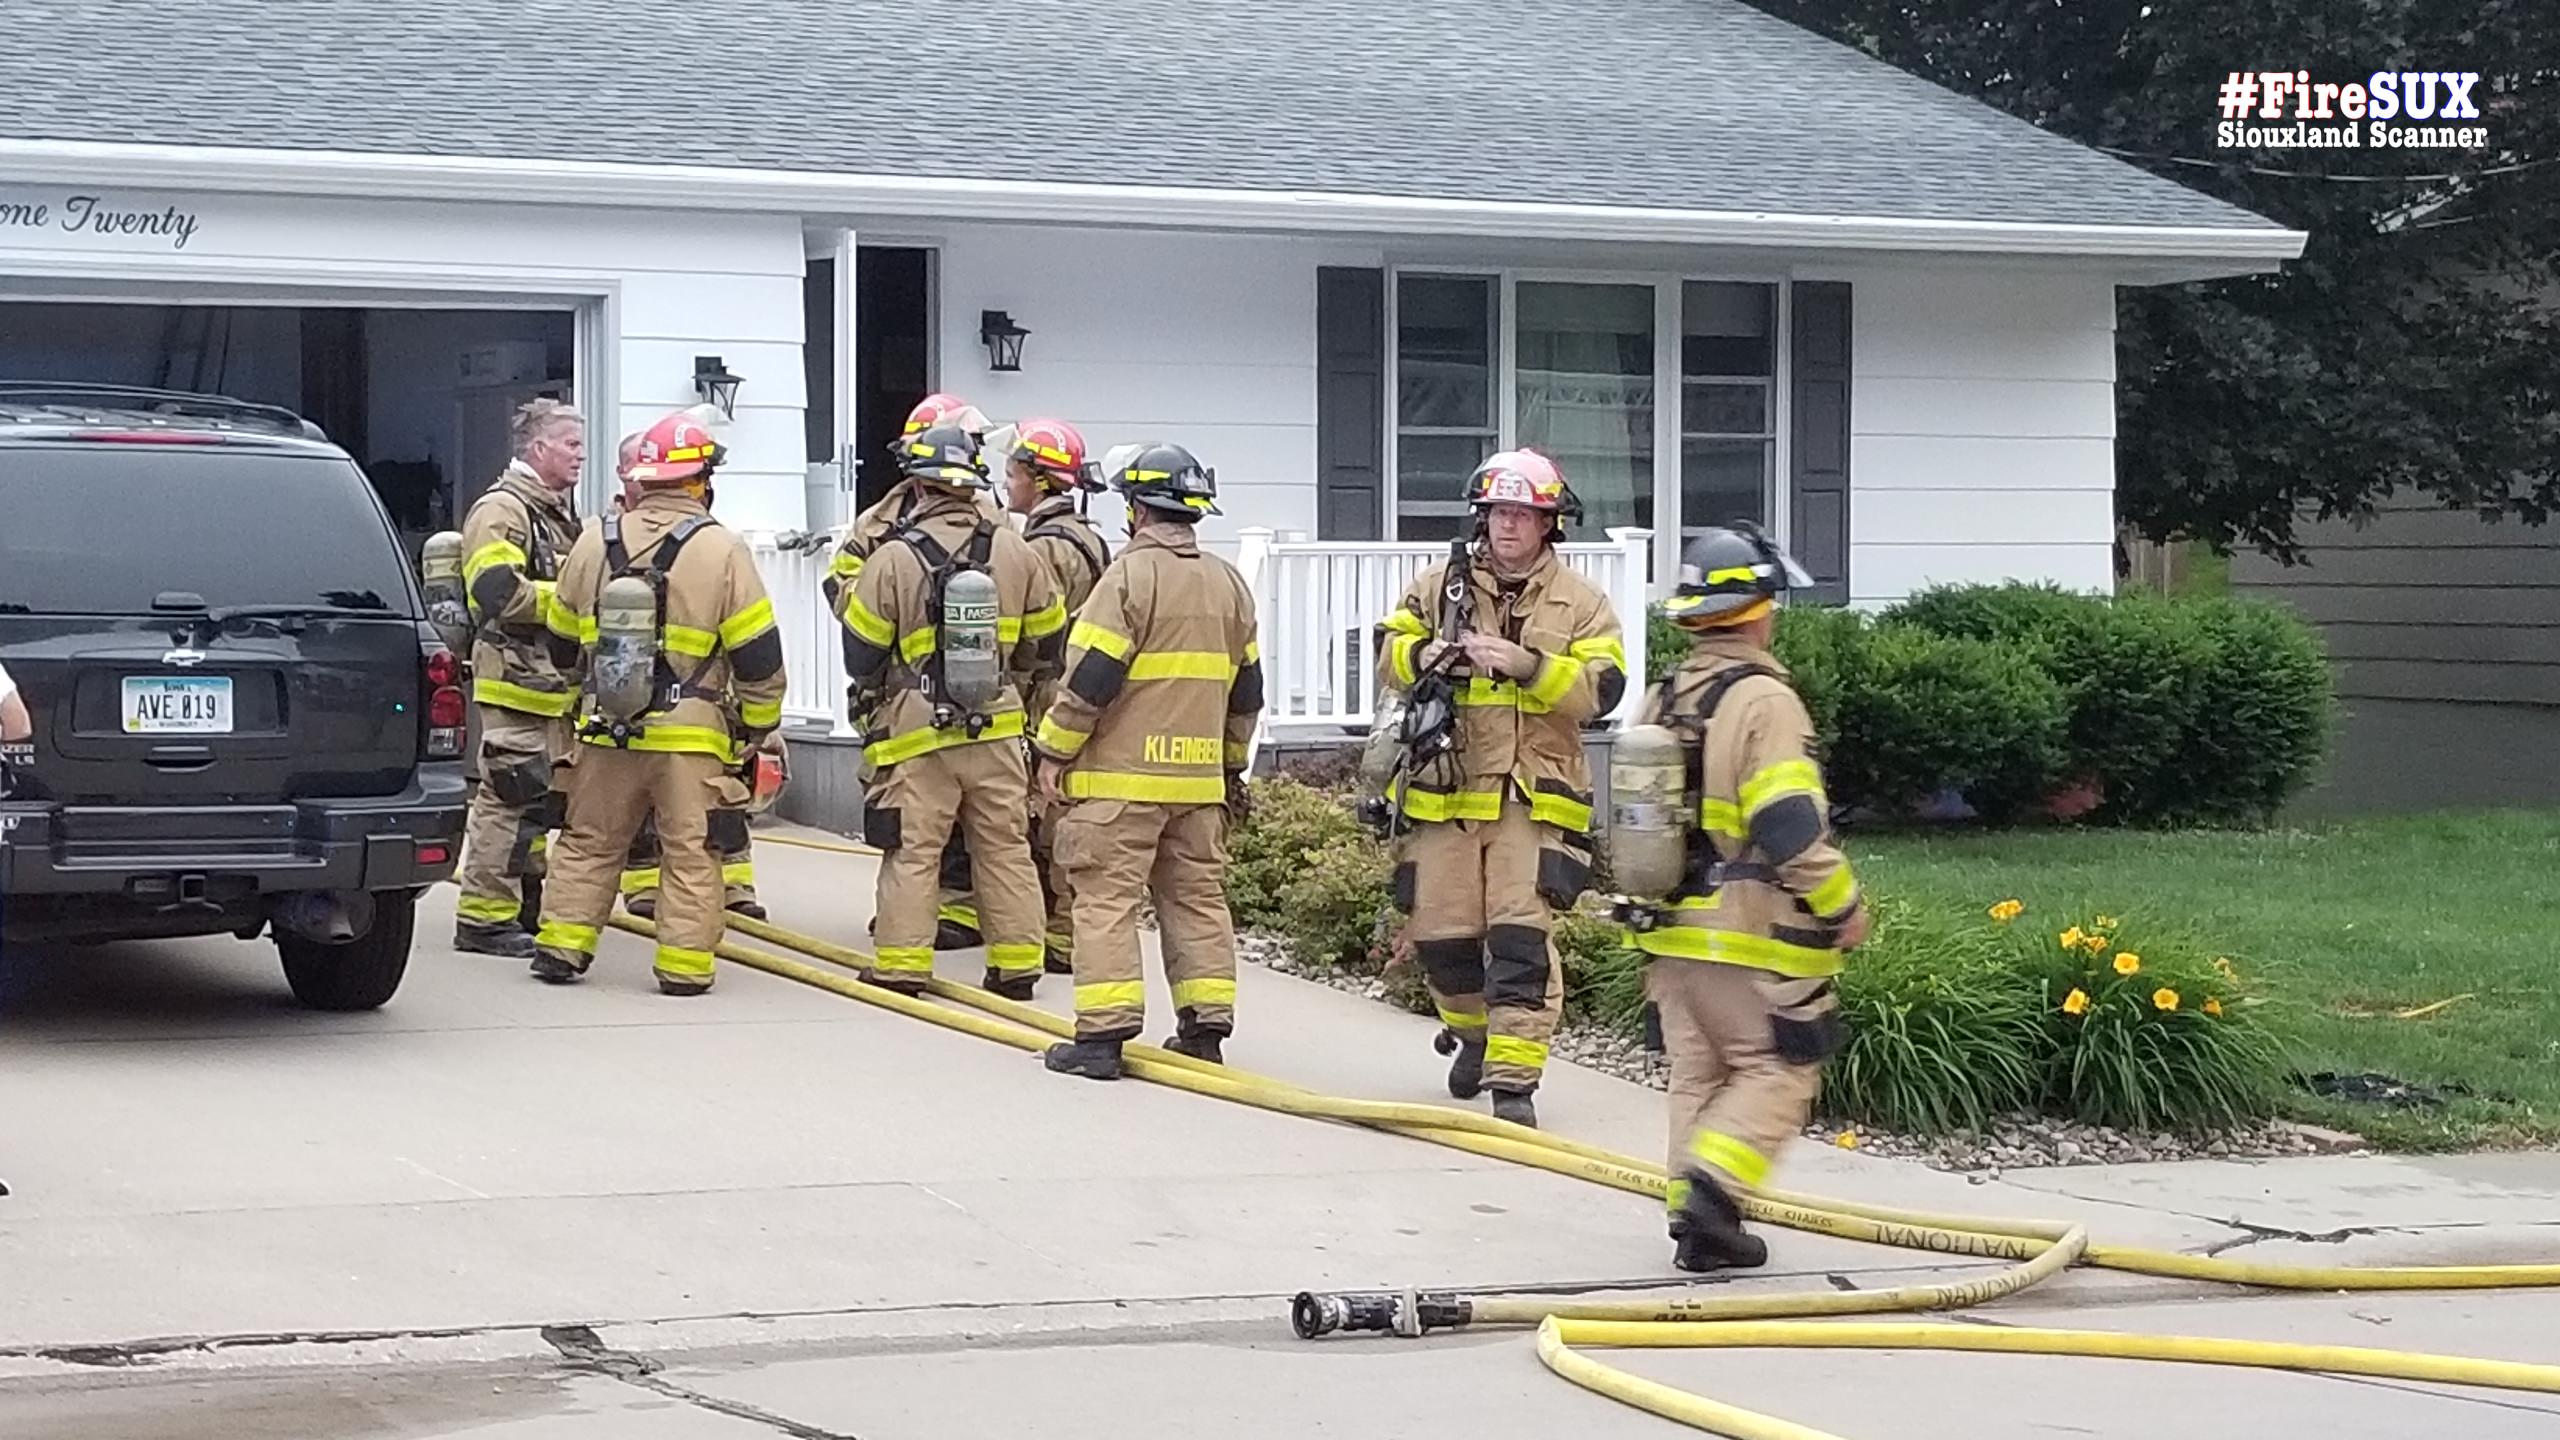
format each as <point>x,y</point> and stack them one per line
<point>1320,602</point>
<point>1322,599</point>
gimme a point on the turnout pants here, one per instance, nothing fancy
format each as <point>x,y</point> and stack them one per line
<point>1479,923</point>
<point>732,844</point>
<point>611,793</point>
<point>1746,1049</point>
<point>959,883</point>
<point>514,808</point>
<point>1112,851</point>
<point>984,789</point>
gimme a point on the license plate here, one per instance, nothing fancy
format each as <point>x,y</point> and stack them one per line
<point>177,705</point>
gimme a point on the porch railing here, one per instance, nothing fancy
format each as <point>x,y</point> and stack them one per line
<point>1319,600</point>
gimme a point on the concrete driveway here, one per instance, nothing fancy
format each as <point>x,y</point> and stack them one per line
<point>495,1208</point>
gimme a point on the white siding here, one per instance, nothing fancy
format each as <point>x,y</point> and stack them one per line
<point>1207,341</point>
<point>668,286</point>
<point>1982,430</point>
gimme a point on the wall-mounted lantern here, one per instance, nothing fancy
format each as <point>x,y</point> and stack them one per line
<point>713,382</point>
<point>1002,338</point>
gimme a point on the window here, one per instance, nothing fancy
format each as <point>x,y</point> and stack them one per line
<point>1728,409</point>
<point>1586,393</point>
<point>1446,420</point>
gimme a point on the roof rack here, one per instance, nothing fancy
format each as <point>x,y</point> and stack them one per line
<point>57,393</point>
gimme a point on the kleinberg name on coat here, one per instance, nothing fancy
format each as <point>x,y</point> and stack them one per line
<point>93,215</point>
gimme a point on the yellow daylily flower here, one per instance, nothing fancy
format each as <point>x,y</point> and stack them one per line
<point>2075,1003</point>
<point>2073,939</point>
<point>2213,1008</point>
<point>2127,962</point>
<point>2164,999</point>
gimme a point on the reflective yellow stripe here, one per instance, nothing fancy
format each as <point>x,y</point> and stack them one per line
<point>496,552</point>
<point>678,740</point>
<point>1561,811</point>
<point>561,935</point>
<point>1015,957</point>
<point>677,961</point>
<point>1606,648</point>
<point>1461,805</point>
<point>1183,665</point>
<point>1239,754</point>
<point>1400,652</point>
<point>1405,622</point>
<point>507,695</point>
<point>1723,1152</point>
<point>904,959</point>
<point>685,640</point>
<point>543,590</point>
<point>484,910</point>
<point>959,915</point>
<point>1193,993</point>
<point>1833,895</point>
<point>1728,947</point>
<point>862,621</point>
<point>845,565</point>
<point>540,845</point>
<point>760,714</point>
<point>564,622</point>
<point>1007,726</point>
<point>738,872</point>
<point>1253,652</point>
<point>1512,1050</point>
<point>1457,1021</point>
<point>1057,739</point>
<point>1556,674</point>
<point>1046,621</point>
<point>1147,789</point>
<point>635,881</point>
<point>747,624</point>
<point>1481,691</point>
<point>1112,995</point>
<point>1089,636</point>
<point>1776,782</point>
<point>1722,818</point>
<point>915,644</point>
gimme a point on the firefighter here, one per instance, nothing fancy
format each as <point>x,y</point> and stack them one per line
<point>663,611</point>
<point>513,541</point>
<point>957,920</point>
<point>1046,475</point>
<point>1500,822</point>
<point>1146,744</point>
<point>1746,947</point>
<point>943,612</point>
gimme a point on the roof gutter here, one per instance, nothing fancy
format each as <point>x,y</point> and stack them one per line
<point>557,182</point>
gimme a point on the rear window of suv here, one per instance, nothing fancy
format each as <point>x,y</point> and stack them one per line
<point>100,528</point>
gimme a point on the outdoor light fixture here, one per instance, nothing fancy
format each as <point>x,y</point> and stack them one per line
<point>1002,338</point>
<point>713,382</point>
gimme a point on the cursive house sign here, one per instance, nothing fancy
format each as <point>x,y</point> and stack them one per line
<point>96,215</point>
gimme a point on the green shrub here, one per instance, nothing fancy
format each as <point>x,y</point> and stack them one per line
<point>2265,704</point>
<point>1290,823</point>
<point>1946,1031</point>
<point>1821,647</point>
<point>1330,908</point>
<point>2149,1030</point>
<point>1603,978</point>
<point>1920,713</point>
<point>1665,644</point>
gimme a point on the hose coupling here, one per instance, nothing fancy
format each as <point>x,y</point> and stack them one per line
<point>1409,1314</point>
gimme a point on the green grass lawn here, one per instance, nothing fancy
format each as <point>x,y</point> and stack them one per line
<point>2344,926</point>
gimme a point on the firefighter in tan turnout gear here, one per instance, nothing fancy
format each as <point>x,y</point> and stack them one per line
<point>1147,743</point>
<point>664,611</point>
<point>937,616</point>
<point>1502,653</point>
<point>1720,834</point>
<point>513,541</point>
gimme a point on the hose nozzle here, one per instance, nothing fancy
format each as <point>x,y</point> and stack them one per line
<point>1408,1314</point>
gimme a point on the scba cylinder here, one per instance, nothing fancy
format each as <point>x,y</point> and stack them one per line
<point>626,663</point>
<point>1648,829</point>
<point>972,659</point>
<point>440,577</point>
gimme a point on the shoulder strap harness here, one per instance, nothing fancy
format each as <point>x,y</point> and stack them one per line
<point>939,563</point>
<point>659,562</point>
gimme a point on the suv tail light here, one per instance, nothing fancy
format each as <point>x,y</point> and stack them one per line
<point>447,708</point>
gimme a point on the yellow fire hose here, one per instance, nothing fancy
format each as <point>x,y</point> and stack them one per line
<point>2039,1250</point>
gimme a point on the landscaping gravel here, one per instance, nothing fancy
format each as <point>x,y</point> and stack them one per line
<point>2016,1142</point>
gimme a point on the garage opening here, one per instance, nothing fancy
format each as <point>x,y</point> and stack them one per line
<point>420,397</point>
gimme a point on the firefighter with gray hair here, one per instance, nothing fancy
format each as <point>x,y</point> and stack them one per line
<point>1720,843</point>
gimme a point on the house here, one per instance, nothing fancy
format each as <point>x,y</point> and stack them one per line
<point>1718,266</point>
<point>2443,630</point>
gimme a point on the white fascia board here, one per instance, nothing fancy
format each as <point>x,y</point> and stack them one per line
<point>574,182</point>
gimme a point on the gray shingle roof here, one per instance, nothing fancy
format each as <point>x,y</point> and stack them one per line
<point>1684,104</point>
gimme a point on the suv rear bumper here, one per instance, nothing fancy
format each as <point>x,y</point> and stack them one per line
<point>178,855</point>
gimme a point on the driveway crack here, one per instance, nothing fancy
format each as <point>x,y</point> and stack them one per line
<point>583,1349</point>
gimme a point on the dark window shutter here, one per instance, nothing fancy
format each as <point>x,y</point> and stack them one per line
<point>1819,486</point>
<point>1351,398</point>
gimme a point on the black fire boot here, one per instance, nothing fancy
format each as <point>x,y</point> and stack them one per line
<point>753,910</point>
<point>644,907</point>
<point>669,985</point>
<point>1200,1042</point>
<point>554,968</point>
<point>1466,1072</point>
<point>1707,1233</point>
<point>1092,1059</point>
<point>509,942</point>
<point>529,889</point>
<point>1514,1106</point>
<point>904,982</point>
<point>1057,962</point>
<point>952,935</point>
<point>1025,986</point>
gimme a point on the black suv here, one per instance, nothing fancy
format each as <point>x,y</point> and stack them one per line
<point>243,721</point>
